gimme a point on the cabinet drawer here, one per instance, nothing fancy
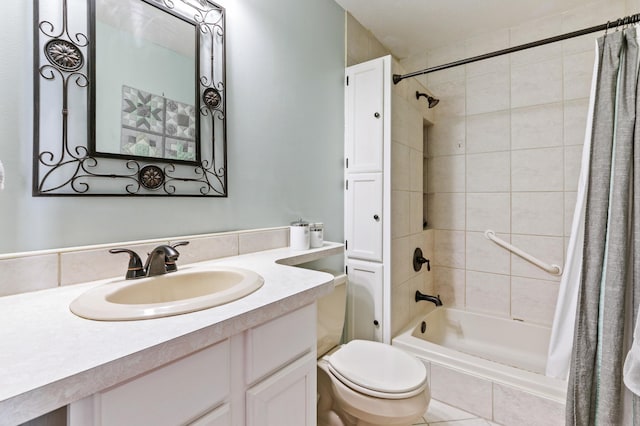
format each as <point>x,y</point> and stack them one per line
<point>172,394</point>
<point>274,344</point>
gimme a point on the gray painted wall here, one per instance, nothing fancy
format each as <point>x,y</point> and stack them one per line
<point>285,67</point>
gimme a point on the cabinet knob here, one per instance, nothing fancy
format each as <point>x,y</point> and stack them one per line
<point>376,323</point>
<point>376,217</point>
<point>376,115</point>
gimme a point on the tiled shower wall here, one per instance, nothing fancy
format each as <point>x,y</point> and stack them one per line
<point>504,154</point>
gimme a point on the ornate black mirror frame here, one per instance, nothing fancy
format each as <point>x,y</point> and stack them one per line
<point>63,165</point>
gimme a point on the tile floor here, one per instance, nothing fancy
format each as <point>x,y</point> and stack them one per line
<point>440,414</point>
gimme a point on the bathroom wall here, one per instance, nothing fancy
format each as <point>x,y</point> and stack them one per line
<point>285,69</point>
<point>504,154</point>
<point>409,117</point>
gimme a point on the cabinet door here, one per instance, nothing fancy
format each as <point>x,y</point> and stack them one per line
<point>170,395</point>
<point>364,300</point>
<point>363,216</point>
<point>364,117</point>
<point>287,398</point>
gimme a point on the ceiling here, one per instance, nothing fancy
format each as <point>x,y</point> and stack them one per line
<point>408,27</point>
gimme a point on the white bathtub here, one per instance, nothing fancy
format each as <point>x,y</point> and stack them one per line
<point>497,356</point>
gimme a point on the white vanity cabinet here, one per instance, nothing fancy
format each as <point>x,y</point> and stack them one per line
<point>265,375</point>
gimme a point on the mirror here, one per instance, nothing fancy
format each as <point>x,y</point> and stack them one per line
<point>136,106</point>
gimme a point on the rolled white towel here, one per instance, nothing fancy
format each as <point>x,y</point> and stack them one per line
<point>1,176</point>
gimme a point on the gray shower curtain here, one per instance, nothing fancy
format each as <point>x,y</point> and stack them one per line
<point>610,273</point>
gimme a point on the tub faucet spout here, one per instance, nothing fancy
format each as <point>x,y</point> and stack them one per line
<point>434,299</point>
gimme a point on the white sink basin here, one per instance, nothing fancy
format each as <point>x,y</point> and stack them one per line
<point>164,295</point>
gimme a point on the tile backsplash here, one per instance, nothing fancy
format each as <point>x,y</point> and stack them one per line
<point>31,271</point>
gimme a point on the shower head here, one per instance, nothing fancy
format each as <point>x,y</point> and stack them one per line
<point>431,101</point>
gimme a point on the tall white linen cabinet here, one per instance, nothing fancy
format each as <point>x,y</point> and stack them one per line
<point>367,199</point>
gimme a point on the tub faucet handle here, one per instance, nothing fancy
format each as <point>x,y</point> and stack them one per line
<point>418,260</point>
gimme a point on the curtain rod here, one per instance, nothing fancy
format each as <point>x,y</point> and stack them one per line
<point>628,20</point>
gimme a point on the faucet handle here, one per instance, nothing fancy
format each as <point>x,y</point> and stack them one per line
<point>179,243</point>
<point>135,268</point>
<point>170,263</point>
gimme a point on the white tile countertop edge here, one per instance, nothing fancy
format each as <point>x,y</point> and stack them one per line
<point>49,357</point>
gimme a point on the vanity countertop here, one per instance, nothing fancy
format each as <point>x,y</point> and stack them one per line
<point>49,357</point>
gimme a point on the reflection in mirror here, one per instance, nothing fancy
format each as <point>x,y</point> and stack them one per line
<point>131,100</point>
<point>145,82</point>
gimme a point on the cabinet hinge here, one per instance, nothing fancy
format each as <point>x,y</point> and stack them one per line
<point>346,185</point>
<point>347,80</point>
<point>346,269</point>
<point>347,163</point>
<point>346,245</point>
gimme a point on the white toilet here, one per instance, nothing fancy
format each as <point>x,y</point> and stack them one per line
<point>363,382</point>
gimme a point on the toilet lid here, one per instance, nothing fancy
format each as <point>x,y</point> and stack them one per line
<point>377,369</point>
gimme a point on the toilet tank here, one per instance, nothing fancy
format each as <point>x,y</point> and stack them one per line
<point>331,314</point>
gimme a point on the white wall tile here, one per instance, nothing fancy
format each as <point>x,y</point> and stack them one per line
<point>536,30</point>
<point>208,248</point>
<point>444,55</point>
<point>402,257</point>
<point>590,14</point>
<point>488,172</point>
<point>533,300</point>
<point>537,213</point>
<point>485,43</point>
<point>452,99</point>
<point>578,72</point>
<point>446,210</point>
<point>575,121</point>
<point>572,165</point>
<point>488,132</point>
<point>548,249</point>
<point>416,216</point>
<point>570,199</point>
<point>484,255</point>
<point>446,137</point>
<point>400,171</point>
<point>489,211</point>
<point>515,407</point>
<point>449,248</point>
<point>415,124</point>
<point>415,170</point>
<point>446,174</point>
<point>488,293</point>
<point>537,127</point>
<point>400,119</point>
<point>449,283</point>
<point>400,213</point>
<point>414,63</point>
<point>537,83</point>
<point>461,390</point>
<point>487,93</point>
<point>21,275</point>
<point>400,307</point>
<point>537,169</point>
<point>253,241</point>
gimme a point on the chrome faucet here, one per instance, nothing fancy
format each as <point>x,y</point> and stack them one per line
<point>434,299</point>
<point>161,260</point>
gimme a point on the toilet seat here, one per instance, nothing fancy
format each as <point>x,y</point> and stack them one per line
<point>378,370</point>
